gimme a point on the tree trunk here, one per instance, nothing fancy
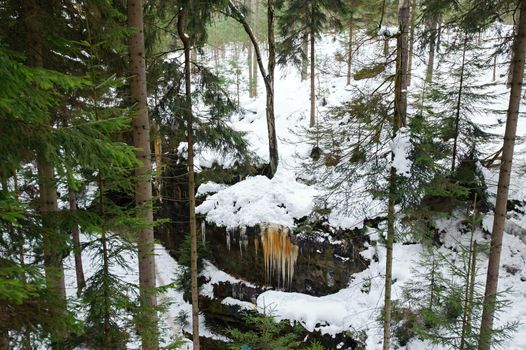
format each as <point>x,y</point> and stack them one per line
<point>250,66</point>
<point>518,54</point>
<point>305,55</point>
<point>411,42</point>
<point>52,240</point>
<point>77,252</point>
<point>249,58</point>
<point>271,65</point>
<point>459,103</point>
<point>439,32</point>
<point>268,78</point>
<point>312,77</point>
<point>470,278</point>
<point>255,20</point>
<point>431,58</point>
<point>494,77</point>
<point>106,340</point>
<point>349,55</point>
<point>4,339</point>
<point>185,39</point>
<point>143,194</point>
<point>400,112</point>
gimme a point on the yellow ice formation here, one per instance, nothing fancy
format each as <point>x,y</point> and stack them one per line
<point>279,254</point>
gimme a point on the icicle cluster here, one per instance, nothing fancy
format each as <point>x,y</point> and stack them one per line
<point>279,254</point>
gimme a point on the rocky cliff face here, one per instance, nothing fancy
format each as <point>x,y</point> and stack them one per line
<point>273,255</point>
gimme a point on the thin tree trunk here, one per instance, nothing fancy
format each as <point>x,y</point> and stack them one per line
<point>106,341</point>
<point>459,103</point>
<point>411,42</point>
<point>77,252</point>
<point>268,78</point>
<point>143,194</point>
<point>349,55</point>
<point>490,295</point>
<point>255,20</point>
<point>249,58</point>
<point>304,58</point>
<point>471,295</point>
<point>494,77</point>
<point>466,318</point>
<point>516,20</point>
<point>185,39</point>
<point>432,43</point>
<point>312,80</point>
<point>398,122</point>
<point>269,81</point>
<point>439,33</point>
<point>250,65</point>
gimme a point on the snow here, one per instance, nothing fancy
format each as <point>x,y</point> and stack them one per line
<point>259,199</point>
<point>243,305</point>
<point>401,148</point>
<point>166,272</point>
<point>209,187</point>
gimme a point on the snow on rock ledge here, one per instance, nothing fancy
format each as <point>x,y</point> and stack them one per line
<point>258,199</point>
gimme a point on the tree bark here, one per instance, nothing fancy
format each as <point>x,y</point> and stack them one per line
<point>255,20</point>
<point>77,252</point>
<point>312,79</point>
<point>143,192</point>
<point>305,55</point>
<point>432,43</point>
<point>185,39</point>
<point>52,240</point>
<point>349,54</point>
<point>268,77</point>
<point>4,339</point>
<point>459,103</point>
<point>249,58</point>
<point>399,121</point>
<point>490,295</point>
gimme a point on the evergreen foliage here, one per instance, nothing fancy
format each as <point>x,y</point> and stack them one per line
<point>266,334</point>
<point>298,19</point>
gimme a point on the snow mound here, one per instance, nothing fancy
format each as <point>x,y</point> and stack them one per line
<point>259,199</point>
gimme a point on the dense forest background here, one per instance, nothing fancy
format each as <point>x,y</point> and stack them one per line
<point>281,174</point>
